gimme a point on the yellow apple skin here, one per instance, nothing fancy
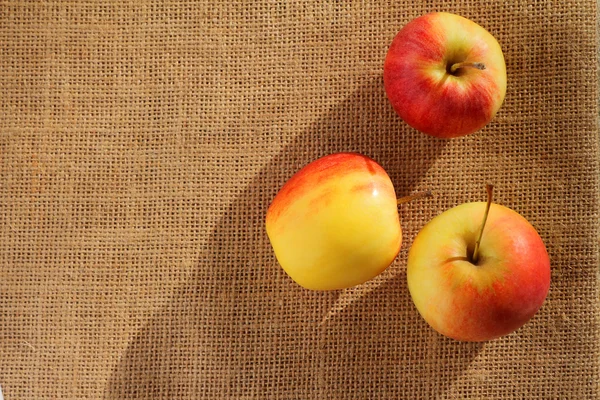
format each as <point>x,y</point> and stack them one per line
<point>478,302</point>
<point>335,223</point>
<point>422,89</point>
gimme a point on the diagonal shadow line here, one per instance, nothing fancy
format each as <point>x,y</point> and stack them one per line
<point>239,325</point>
<point>351,295</point>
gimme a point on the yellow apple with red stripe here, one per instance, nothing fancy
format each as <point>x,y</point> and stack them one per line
<point>335,223</point>
<point>445,75</point>
<point>474,290</point>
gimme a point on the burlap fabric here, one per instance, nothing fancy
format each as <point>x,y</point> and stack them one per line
<point>141,143</point>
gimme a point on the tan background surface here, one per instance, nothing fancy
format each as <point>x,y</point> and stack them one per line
<point>141,142</point>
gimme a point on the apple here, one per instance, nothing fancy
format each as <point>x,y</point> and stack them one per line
<point>478,271</point>
<point>445,75</point>
<point>335,223</point>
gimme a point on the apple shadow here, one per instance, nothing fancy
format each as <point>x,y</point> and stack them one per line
<point>240,328</point>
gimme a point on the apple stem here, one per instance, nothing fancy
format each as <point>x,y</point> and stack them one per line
<point>416,196</point>
<point>477,65</point>
<point>490,190</point>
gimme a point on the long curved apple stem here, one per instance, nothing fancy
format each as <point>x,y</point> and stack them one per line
<point>490,190</point>
<point>476,65</point>
<point>416,196</point>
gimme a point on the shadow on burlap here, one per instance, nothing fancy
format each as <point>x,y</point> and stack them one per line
<point>141,143</point>
<point>240,328</point>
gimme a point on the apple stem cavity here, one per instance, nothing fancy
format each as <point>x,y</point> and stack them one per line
<point>476,65</point>
<point>490,190</point>
<point>416,196</point>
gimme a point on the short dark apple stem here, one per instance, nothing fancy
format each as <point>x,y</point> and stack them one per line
<point>476,65</point>
<point>490,190</point>
<point>416,196</point>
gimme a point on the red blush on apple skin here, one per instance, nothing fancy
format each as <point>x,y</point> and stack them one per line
<point>317,173</point>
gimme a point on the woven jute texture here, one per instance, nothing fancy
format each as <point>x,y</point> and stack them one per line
<point>142,142</point>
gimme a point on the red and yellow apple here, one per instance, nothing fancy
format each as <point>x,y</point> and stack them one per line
<point>445,75</point>
<point>475,284</point>
<point>335,223</point>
